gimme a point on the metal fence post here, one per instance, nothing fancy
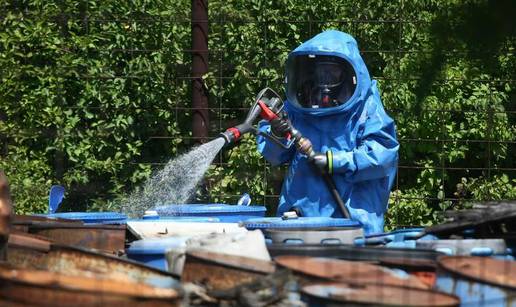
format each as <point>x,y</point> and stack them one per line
<point>200,118</point>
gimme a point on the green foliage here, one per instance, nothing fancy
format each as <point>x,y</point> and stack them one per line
<point>409,208</point>
<point>79,104</point>
<point>91,92</point>
<point>496,188</point>
<point>27,177</point>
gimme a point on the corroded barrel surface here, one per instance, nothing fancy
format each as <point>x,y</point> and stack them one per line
<point>478,281</point>
<point>106,238</point>
<point>30,252</point>
<point>312,269</point>
<point>51,289</point>
<point>220,271</point>
<point>342,294</point>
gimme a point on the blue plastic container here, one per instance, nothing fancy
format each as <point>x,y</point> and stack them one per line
<point>152,252</point>
<point>92,217</point>
<point>225,213</point>
<point>300,223</point>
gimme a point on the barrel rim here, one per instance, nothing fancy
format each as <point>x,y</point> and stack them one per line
<point>182,209</point>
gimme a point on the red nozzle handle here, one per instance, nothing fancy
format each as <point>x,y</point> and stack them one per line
<point>269,115</point>
<point>266,113</point>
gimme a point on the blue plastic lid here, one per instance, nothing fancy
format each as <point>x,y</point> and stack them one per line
<point>178,210</point>
<point>301,222</point>
<point>402,231</point>
<point>174,219</point>
<point>155,246</point>
<point>90,217</point>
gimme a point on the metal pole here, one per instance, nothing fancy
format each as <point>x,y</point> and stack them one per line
<point>200,120</point>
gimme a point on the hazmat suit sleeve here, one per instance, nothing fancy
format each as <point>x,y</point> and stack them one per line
<point>271,151</point>
<point>376,153</point>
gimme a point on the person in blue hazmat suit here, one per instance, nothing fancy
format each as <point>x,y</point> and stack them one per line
<point>333,102</point>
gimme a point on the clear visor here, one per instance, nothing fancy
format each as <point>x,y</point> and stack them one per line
<point>320,81</point>
<point>328,74</point>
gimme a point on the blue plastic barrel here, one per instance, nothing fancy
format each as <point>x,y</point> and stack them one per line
<point>92,217</point>
<point>225,213</point>
<point>152,252</point>
<point>299,223</point>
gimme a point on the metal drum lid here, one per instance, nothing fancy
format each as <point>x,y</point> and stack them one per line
<point>29,219</point>
<point>348,271</point>
<point>299,223</point>
<point>91,217</point>
<point>238,262</point>
<point>193,209</point>
<point>376,295</point>
<point>350,252</point>
<point>489,270</point>
<point>54,281</point>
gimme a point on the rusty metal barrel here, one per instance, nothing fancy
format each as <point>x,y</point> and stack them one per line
<point>41,288</point>
<point>310,269</point>
<point>351,294</point>
<point>106,238</point>
<point>478,281</point>
<point>419,263</point>
<point>220,271</point>
<point>29,252</point>
<point>22,222</point>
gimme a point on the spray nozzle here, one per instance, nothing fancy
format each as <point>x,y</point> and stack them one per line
<point>266,105</point>
<point>230,136</point>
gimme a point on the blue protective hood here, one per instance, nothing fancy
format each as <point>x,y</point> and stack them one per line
<point>359,135</point>
<point>334,43</point>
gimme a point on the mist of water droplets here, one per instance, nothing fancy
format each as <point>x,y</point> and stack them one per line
<point>176,182</point>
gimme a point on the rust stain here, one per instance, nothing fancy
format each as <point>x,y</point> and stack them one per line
<point>29,241</point>
<point>30,253</point>
<point>486,269</point>
<point>221,272</point>
<point>107,238</point>
<point>422,269</point>
<point>40,287</point>
<point>346,271</point>
<point>22,222</point>
<point>377,295</point>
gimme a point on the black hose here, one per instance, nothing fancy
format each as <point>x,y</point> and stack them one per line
<point>335,193</point>
<point>304,145</point>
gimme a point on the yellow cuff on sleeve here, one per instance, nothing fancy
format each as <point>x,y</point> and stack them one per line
<point>329,156</point>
